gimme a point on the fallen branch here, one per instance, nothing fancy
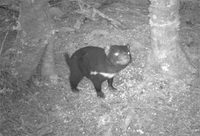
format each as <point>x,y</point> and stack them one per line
<point>90,12</point>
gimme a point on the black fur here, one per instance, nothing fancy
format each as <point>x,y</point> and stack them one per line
<point>93,63</point>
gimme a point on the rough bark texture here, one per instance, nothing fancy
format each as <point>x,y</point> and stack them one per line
<point>48,68</point>
<point>164,21</point>
<point>37,32</point>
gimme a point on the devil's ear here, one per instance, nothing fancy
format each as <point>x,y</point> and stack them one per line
<point>107,50</point>
<point>128,46</point>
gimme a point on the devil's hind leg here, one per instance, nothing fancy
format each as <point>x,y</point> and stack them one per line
<point>74,79</point>
<point>75,76</point>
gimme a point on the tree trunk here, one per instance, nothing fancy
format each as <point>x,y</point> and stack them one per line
<point>164,22</point>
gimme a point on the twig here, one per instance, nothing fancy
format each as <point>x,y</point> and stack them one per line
<point>189,129</point>
<point>4,39</point>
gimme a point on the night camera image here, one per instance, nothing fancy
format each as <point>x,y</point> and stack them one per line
<point>99,67</point>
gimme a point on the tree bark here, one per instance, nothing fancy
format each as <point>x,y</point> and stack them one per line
<point>164,22</point>
<point>37,32</point>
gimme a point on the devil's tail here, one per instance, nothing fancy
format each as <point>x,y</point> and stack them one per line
<point>67,59</point>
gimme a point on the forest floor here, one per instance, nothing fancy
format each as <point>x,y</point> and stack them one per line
<point>146,103</point>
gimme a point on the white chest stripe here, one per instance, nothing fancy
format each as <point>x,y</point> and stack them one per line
<point>93,73</point>
<point>108,75</point>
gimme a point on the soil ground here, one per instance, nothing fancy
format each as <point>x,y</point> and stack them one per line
<point>146,103</point>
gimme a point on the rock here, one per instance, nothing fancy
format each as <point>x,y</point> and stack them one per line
<point>55,13</point>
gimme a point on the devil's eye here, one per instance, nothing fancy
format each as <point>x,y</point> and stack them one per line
<point>116,54</point>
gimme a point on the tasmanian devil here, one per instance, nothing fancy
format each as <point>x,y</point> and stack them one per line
<point>98,65</point>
